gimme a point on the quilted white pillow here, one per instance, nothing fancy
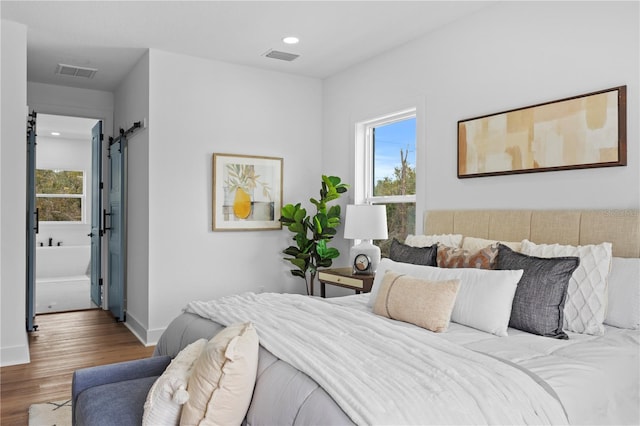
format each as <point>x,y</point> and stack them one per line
<point>484,298</point>
<point>624,293</point>
<point>451,240</point>
<point>586,304</point>
<point>165,398</point>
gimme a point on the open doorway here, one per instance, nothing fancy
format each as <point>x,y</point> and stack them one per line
<point>63,189</point>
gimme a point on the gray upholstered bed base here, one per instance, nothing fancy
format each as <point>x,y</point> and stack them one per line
<point>299,400</point>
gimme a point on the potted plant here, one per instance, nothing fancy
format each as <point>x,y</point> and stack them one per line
<point>312,233</point>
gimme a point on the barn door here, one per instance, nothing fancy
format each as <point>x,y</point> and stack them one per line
<point>96,211</point>
<point>114,221</point>
<point>32,223</point>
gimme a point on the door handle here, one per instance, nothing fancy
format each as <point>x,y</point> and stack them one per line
<point>37,213</point>
<point>104,220</point>
<point>90,234</point>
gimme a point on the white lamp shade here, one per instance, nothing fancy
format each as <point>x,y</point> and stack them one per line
<point>366,222</point>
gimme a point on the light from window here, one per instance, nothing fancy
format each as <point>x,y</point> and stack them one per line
<point>394,158</point>
<point>59,195</point>
<point>390,172</point>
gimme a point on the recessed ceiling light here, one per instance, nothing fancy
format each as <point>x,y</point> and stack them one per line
<point>55,133</point>
<point>291,40</point>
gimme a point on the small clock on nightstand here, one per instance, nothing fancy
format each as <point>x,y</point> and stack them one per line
<point>362,264</point>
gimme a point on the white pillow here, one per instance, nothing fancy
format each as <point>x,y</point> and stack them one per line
<point>165,398</point>
<point>587,294</point>
<point>476,244</point>
<point>484,299</point>
<point>624,293</point>
<point>223,378</point>
<point>451,240</point>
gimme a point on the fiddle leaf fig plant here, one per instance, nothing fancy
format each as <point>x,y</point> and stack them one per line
<point>312,233</point>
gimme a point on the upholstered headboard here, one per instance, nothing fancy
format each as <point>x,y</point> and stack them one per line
<point>574,227</point>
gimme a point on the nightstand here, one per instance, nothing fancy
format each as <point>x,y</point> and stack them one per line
<point>344,277</point>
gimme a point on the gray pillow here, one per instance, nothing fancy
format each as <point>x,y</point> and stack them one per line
<point>400,252</point>
<point>538,305</point>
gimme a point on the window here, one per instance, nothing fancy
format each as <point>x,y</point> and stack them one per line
<point>60,195</point>
<point>387,167</point>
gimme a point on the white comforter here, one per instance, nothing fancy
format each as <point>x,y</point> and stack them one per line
<point>380,373</point>
<point>597,378</point>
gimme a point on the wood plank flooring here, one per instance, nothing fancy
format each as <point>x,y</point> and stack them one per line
<point>63,343</point>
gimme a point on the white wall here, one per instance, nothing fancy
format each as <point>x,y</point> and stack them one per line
<point>72,102</point>
<point>131,105</point>
<point>198,107</point>
<point>14,348</point>
<point>510,55</point>
<point>64,153</point>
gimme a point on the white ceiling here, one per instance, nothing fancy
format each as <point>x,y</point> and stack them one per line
<point>112,35</point>
<point>69,127</point>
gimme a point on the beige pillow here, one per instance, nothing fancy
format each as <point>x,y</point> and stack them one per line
<point>222,380</point>
<point>449,257</point>
<point>165,398</point>
<point>474,244</point>
<point>427,304</point>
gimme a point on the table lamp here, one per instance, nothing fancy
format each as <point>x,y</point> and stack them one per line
<point>365,222</point>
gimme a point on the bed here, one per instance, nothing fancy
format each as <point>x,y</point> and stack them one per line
<point>475,371</point>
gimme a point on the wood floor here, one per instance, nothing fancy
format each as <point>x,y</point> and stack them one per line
<point>63,343</point>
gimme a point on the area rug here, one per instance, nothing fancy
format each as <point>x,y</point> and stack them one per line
<point>56,413</point>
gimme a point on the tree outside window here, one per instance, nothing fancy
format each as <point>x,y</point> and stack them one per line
<point>401,217</point>
<point>390,172</point>
<point>59,195</point>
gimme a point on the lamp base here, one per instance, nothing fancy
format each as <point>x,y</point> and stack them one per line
<point>373,252</point>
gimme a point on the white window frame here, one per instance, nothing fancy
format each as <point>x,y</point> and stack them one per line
<point>82,197</point>
<point>364,179</point>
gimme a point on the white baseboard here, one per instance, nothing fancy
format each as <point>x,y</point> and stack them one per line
<point>154,335</point>
<point>136,328</point>
<point>146,337</point>
<point>14,355</point>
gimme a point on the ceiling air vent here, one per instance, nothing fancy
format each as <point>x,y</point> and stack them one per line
<point>74,71</point>
<point>283,56</point>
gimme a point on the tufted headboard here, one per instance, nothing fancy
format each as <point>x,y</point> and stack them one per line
<point>574,227</point>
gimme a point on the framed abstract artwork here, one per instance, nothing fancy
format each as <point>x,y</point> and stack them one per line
<point>580,132</point>
<point>247,192</point>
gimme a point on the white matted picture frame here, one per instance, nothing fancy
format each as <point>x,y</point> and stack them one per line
<point>247,192</point>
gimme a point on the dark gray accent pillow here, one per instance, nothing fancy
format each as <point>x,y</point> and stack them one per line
<point>400,252</point>
<point>538,305</point>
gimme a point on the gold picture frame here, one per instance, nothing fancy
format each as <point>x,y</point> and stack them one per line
<point>580,132</point>
<point>247,192</point>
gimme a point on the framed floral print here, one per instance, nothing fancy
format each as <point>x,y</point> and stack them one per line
<point>247,192</point>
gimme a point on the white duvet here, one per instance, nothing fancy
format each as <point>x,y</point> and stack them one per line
<point>597,378</point>
<point>382,373</point>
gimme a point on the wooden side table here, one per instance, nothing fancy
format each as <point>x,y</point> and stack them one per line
<point>344,277</point>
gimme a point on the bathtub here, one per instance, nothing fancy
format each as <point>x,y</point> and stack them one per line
<point>56,263</point>
<point>62,279</point>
